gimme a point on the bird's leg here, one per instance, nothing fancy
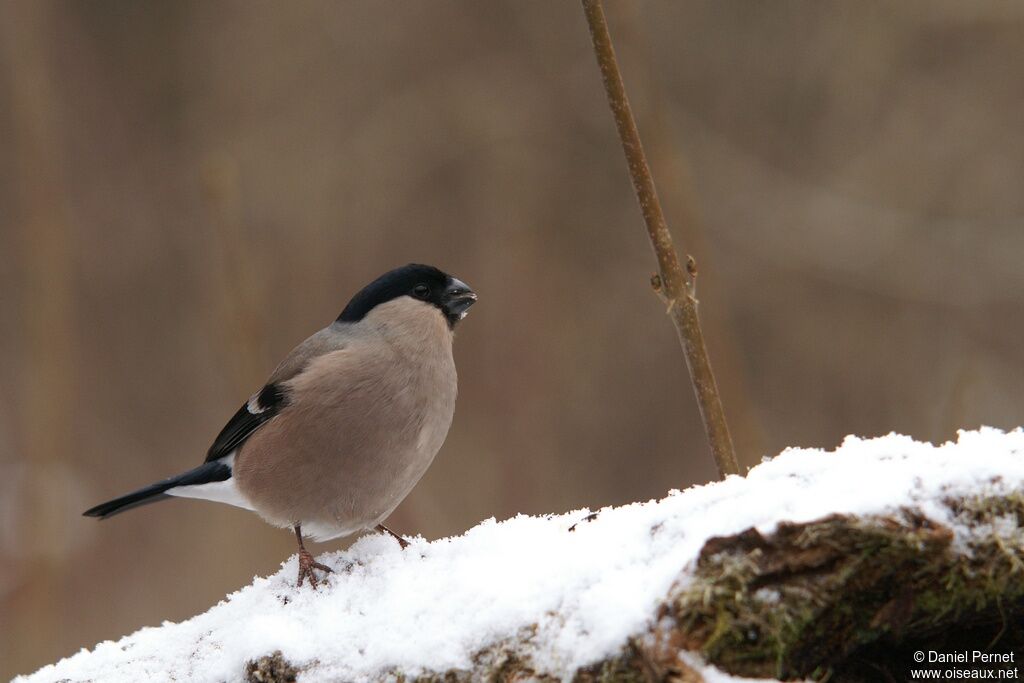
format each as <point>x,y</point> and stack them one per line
<point>306,562</point>
<point>401,541</point>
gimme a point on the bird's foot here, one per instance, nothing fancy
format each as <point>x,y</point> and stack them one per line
<point>401,541</point>
<point>306,566</point>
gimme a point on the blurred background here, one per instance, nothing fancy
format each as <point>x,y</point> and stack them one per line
<point>188,189</point>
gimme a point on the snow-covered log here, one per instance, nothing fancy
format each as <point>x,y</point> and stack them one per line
<point>842,562</point>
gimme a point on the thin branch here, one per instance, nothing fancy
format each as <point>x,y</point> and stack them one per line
<point>673,283</point>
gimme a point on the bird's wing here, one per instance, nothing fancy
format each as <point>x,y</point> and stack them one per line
<point>250,417</point>
<point>273,398</point>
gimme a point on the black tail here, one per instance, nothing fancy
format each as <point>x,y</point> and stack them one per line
<point>206,473</point>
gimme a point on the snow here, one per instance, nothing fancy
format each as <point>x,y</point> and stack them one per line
<point>568,598</point>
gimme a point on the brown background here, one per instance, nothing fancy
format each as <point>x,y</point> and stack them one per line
<point>187,189</point>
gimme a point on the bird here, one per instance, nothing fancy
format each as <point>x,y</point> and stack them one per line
<point>347,423</point>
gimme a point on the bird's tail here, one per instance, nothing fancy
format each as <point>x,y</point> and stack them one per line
<point>206,473</point>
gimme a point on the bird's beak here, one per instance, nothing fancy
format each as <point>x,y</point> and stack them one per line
<point>457,299</point>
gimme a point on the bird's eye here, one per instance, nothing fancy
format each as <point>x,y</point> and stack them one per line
<point>421,291</point>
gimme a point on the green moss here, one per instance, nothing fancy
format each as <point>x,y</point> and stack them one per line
<point>805,599</point>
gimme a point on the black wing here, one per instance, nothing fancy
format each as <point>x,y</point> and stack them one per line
<point>247,420</point>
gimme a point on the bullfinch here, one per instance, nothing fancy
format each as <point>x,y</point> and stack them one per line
<point>346,424</point>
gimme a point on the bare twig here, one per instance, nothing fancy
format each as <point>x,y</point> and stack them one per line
<point>674,284</point>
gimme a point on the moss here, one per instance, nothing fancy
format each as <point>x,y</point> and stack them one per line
<point>639,663</point>
<point>811,596</point>
<point>626,668</point>
<point>273,668</point>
